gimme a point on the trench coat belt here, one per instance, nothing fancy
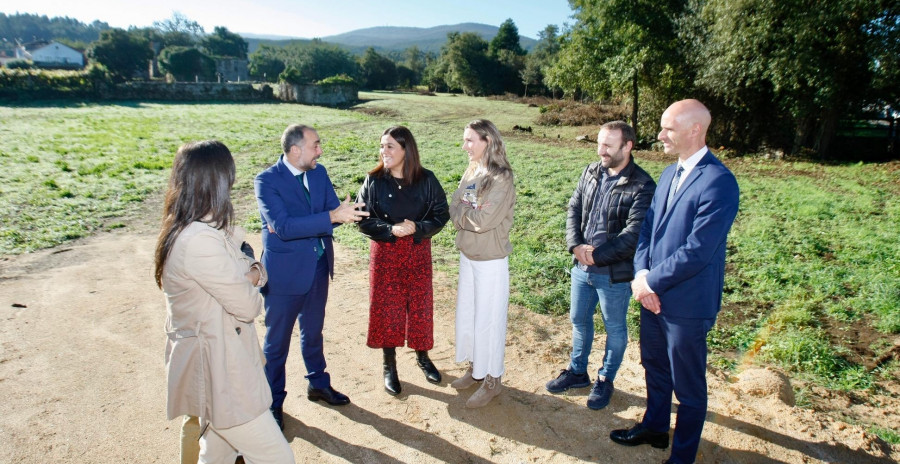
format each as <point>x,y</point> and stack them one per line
<point>179,334</point>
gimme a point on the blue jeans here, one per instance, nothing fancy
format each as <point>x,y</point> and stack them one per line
<point>587,290</point>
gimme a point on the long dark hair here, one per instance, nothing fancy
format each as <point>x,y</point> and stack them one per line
<point>494,164</point>
<point>412,165</point>
<point>199,190</point>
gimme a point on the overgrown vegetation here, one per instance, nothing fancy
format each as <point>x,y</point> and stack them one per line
<point>811,256</point>
<point>38,84</point>
<point>571,113</point>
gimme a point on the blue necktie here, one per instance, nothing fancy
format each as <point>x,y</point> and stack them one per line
<point>321,248</point>
<point>674,187</point>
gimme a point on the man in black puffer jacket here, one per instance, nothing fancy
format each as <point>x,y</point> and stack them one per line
<point>605,215</point>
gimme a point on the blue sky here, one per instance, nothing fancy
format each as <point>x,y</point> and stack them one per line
<point>305,18</point>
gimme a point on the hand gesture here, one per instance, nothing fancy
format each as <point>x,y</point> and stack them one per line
<point>347,212</point>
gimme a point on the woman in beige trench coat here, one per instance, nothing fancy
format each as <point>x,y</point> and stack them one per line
<point>214,365</point>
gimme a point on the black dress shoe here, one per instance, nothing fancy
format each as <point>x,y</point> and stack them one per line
<point>330,395</point>
<point>638,435</point>
<point>278,414</point>
<point>424,362</point>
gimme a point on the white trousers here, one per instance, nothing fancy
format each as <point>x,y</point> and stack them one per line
<point>482,301</point>
<point>259,441</point>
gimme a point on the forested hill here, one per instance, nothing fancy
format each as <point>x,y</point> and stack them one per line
<point>26,28</point>
<point>390,38</point>
<point>427,39</point>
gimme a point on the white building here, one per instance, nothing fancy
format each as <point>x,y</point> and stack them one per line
<point>52,54</point>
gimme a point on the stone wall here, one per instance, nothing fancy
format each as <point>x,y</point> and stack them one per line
<point>233,70</point>
<point>190,91</point>
<point>310,94</point>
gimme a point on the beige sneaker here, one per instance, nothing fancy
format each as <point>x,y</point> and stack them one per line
<point>489,389</point>
<point>465,381</point>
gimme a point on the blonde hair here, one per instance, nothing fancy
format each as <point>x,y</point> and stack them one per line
<point>494,164</point>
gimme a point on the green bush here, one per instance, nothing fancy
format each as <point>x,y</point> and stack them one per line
<point>187,64</point>
<point>20,64</point>
<point>291,75</point>
<point>340,79</point>
<point>34,84</point>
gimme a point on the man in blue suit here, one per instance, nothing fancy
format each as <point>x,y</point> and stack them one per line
<point>299,210</point>
<point>680,273</point>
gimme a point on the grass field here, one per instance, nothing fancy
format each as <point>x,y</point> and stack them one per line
<point>814,270</point>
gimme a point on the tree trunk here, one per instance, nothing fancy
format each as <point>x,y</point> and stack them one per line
<point>825,133</point>
<point>634,108</point>
<point>800,135</point>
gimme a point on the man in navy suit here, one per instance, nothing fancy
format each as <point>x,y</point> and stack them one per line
<point>299,210</point>
<point>680,273</point>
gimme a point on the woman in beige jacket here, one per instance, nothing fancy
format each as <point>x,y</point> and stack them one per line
<point>481,209</point>
<point>214,365</point>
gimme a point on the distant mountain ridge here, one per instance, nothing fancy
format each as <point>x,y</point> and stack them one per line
<point>385,39</point>
<point>427,39</point>
<point>394,38</point>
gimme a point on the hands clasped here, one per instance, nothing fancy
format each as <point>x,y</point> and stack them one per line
<point>642,293</point>
<point>348,212</point>
<point>584,254</point>
<point>402,229</point>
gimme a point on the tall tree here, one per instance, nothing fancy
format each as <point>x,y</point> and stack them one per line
<point>507,38</point>
<point>548,43</point>
<point>621,47</point>
<point>179,30</point>
<point>531,73</point>
<point>805,64</point>
<point>187,64</point>
<point>416,62</point>
<point>884,46</point>
<point>266,64</point>
<point>468,67</point>
<point>508,53</point>
<point>225,43</point>
<point>542,56</point>
<point>435,75</point>
<point>378,72</point>
<point>321,61</point>
<point>311,61</point>
<point>123,54</point>
<point>406,78</point>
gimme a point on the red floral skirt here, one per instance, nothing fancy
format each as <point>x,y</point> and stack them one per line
<point>401,300</point>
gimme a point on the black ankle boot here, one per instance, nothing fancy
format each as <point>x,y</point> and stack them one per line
<point>391,380</point>
<point>431,372</point>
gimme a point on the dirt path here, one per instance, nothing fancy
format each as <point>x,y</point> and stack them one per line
<point>81,380</point>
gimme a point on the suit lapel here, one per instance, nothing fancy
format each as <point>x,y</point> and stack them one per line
<point>292,182</point>
<point>685,186</point>
<point>662,201</point>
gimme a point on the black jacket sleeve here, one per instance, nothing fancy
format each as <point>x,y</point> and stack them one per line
<point>574,237</point>
<point>373,226</point>
<point>437,212</point>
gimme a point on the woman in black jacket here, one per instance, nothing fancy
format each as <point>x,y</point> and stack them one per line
<point>407,206</point>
